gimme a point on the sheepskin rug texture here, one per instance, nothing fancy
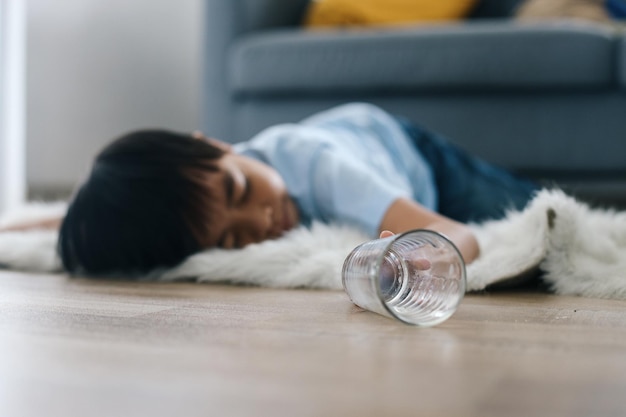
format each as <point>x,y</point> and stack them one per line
<point>577,250</point>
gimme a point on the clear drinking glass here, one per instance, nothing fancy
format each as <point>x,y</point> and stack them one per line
<point>417,277</point>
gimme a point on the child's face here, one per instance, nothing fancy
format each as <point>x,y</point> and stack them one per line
<point>251,202</point>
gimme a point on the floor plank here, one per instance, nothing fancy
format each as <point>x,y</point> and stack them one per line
<point>76,347</point>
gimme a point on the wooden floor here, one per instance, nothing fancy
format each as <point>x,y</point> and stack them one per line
<point>71,347</point>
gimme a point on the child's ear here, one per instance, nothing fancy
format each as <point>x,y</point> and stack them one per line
<point>226,147</point>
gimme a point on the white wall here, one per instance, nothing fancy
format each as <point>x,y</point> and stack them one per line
<point>12,83</point>
<point>99,68</point>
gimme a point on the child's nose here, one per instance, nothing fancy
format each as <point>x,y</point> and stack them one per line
<point>265,222</point>
<point>259,225</point>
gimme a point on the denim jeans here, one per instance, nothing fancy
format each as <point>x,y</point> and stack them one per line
<point>470,189</point>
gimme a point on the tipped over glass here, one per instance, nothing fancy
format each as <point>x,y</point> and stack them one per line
<point>417,277</point>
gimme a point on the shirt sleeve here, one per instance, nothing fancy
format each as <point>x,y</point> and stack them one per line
<point>327,181</point>
<point>347,191</point>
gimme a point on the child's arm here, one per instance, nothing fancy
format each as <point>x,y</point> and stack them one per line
<point>53,223</point>
<point>405,214</point>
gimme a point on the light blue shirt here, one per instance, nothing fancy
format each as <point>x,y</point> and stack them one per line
<point>346,165</point>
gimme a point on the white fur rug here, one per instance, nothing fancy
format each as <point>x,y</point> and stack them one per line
<point>579,250</point>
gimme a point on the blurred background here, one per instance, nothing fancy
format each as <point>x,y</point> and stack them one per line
<point>95,69</point>
<point>538,91</point>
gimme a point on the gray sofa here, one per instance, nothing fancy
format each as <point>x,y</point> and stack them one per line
<point>545,99</point>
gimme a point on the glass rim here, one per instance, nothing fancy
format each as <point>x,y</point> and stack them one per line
<point>381,256</point>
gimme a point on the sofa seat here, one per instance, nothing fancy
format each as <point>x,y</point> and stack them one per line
<point>479,56</point>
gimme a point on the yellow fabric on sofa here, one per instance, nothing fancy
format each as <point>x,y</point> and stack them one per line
<point>384,12</point>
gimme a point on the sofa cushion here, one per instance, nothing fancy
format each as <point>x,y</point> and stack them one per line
<point>551,9</point>
<point>384,12</point>
<point>477,55</point>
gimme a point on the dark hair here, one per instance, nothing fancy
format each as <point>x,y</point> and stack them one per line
<point>142,207</point>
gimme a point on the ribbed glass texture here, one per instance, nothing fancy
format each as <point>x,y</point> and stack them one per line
<point>417,277</point>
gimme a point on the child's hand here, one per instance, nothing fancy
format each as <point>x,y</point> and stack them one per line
<point>51,224</point>
<point>421,264</point>
<point>385,233</point>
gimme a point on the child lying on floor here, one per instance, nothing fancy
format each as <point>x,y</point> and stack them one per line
<point>155,197</point>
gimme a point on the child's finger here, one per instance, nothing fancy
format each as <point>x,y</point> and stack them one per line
<point>421,264</point>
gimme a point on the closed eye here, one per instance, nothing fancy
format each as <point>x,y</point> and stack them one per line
<point>237,192</point>
<point>247,191</point>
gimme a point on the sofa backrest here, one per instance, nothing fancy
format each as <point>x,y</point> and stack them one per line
<point>495,8</point>
<point>259,14</point>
